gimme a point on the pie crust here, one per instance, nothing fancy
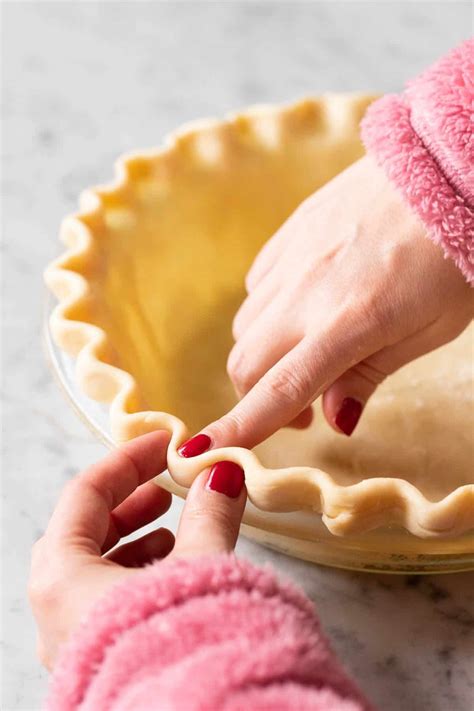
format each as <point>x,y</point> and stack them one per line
<point>149,282</point>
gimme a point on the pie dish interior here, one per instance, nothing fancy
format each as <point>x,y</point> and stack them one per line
<point>148,287</point>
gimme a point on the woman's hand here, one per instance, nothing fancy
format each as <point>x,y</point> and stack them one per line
<point>75,562</point>
<point>345,293</point>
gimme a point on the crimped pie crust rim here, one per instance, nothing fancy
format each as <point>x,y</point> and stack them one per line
<point>355,508</point>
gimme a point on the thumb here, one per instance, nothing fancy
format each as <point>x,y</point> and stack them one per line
<point>213,511</point>
<point>345,399</point>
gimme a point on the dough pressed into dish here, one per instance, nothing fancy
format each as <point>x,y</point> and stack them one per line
<point>152,276</point>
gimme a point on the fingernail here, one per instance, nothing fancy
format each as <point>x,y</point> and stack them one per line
<point>348,415</point>
<point>226,478</point>
<point>196,445</point>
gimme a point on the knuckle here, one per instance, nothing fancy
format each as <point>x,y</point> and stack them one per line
<point>239,371</point>
<point>45,586</point>
<point>212,516</point>
<point>229,428</point>
<point>42,592</point>
<point>72,487</point>
<point>233,362</point>
<point>380,312</point>
<point>290,385</point>
<point>250,281</point>
<point>369,372</point>
<point>239,321</point>
<point>236,330</point>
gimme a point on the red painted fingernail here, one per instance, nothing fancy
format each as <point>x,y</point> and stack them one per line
<point>196,445</point>
<point>226,478</point>
<point>348,415</point>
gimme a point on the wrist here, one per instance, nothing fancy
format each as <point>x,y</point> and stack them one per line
<point>390,138</point>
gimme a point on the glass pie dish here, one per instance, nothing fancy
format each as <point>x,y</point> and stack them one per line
<point>147,288</point>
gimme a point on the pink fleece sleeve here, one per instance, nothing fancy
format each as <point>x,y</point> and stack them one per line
<point>207,634</point>
<point>424,141</point>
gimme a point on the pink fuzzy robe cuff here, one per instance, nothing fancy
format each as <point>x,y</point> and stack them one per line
<point>214,634</point>
<point>424,141</point>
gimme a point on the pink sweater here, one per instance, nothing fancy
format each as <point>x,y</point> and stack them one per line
<point>424,140</point>
<point>218,634</point>
<point>214,634</point>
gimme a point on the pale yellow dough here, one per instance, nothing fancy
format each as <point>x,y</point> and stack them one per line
<point>150,282</point>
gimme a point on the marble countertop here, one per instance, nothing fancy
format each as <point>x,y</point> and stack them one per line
<point>83,82</point>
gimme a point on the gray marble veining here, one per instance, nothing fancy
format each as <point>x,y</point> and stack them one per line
<point>83,82</point>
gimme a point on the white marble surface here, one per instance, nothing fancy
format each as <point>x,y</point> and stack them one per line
<point>83,82</point>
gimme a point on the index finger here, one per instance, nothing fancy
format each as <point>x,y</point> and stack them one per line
<point>291,385</point>
<point>82,514</point>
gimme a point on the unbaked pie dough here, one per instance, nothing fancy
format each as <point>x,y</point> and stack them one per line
<point>147,290</point>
